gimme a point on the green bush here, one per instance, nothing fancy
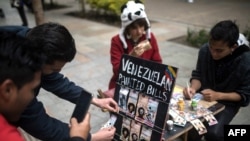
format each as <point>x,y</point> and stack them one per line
<point>112,6</point>
<point>197,38</point>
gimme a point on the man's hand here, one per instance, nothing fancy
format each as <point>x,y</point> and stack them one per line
<point>188,92</point>
<point>80,129</point>
<point>106,103</point>
<point>210,95</point>
<point>104,134</point>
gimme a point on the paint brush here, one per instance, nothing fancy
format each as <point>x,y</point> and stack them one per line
<point>188,90</point>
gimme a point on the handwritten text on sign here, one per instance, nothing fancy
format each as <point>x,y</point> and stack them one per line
<point>151,78</point>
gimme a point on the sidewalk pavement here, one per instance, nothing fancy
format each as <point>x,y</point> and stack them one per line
<point>91,67</point>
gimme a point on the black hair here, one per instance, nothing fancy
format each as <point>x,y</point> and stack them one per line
<point>134,134</point>
<point>55,40</point>
<point>20,59</point>
<point>139,114</point>
<point>226,31</point>
<point>139,22</point>
<point>125,129</point>
<point>131,104</point>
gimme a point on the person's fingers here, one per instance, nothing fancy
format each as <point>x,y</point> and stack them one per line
<point>113,106</point>
<point>87,117</point>
<point>138,50</point>
<point>73,122</point>
<point>190,95</point>
<point>116,107</point>
<point>113,129</point>
<point>192,91</point>
<point>186,93</point>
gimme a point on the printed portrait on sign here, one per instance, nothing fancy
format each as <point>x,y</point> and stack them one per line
<point>125,132</point>
<point>151,112</point>
<point>135,131</point>
<point>123,94</point>
<point>145,134</point>
<point>132,101</point>
<point>141,108</point>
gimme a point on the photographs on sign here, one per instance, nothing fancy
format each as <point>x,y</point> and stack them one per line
<point>123,93</point>
<point>132,102</point>
<point>135,131</point>
<point>140,115</point>
<point>142,88</point>
<point>141,108</point>
<point>125,132</point>
<point>151,112</point>
<point>145,134</point>
<point>146,110</point>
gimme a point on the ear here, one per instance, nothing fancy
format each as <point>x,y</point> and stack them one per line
<point>7,89</point>
<point>234,47</point>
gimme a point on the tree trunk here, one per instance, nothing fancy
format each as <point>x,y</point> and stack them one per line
<point>83,7</point>
<point>38,11</point>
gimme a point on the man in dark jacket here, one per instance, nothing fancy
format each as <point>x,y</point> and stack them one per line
<point>59,47</point>
<point>20,73</point>
<point>222,74</point>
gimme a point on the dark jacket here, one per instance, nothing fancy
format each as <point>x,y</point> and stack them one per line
<point>34,119</point>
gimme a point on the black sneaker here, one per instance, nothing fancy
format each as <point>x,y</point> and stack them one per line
<point>15,3</point>
<point>2,13</point>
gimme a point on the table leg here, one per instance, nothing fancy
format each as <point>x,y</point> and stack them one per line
<point>184,136</point>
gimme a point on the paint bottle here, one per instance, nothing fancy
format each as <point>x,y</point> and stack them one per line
<point>181,104</point>
<point>194,104</point>
<point>170,125</point>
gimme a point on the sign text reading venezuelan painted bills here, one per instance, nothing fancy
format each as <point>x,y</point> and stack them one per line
<point>151,78</point>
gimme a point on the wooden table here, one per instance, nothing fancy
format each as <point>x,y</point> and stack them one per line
<point>183,131</point>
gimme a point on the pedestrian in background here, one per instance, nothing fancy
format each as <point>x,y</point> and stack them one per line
<point>19,5</point>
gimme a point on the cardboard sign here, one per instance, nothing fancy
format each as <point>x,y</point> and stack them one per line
<point>143,92</point>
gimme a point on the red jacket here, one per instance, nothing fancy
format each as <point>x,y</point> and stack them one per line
<point>117,51</point>
<point>9,132</point>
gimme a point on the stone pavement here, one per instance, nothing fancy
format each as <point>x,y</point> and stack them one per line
<point>91,67</point>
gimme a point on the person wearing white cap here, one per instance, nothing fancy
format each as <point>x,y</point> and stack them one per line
<point>135,38</point>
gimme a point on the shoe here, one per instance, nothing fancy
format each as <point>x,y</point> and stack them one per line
<point>25,25</point>
<point>15,3</point>
<point>2,13</point>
